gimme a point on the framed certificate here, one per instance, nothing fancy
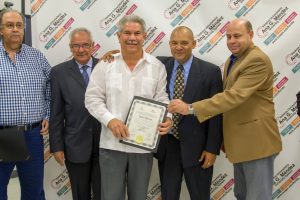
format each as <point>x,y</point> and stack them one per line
<point>143,119</point>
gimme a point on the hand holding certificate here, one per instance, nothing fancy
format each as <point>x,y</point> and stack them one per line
<point>142,121</point>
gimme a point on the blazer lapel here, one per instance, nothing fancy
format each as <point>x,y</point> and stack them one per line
<point>225,78</point>
<point>75,73</point>
<point>95,61</point>
<point>193,76</point>
<point>169,69</point>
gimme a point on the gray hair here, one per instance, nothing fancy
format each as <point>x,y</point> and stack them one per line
<point>81,29</point>
<point>131,18</point>
<point>3,12</point>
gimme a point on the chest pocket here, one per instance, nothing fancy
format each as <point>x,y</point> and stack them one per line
<point>115,83</point>
<point>148,87</point>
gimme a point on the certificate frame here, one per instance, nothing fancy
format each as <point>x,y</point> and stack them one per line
<point>142,121</point>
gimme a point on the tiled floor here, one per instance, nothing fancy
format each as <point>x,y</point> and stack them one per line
<point>13,190</point>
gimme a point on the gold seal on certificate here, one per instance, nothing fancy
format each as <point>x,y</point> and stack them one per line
<point>143,119</point>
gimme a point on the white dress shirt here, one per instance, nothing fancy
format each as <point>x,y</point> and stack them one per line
<point>112,87</point>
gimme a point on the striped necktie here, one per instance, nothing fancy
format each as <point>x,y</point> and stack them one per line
<point>85,74</point>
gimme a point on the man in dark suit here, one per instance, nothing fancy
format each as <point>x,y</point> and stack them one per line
<point>74,133</point>
<point>193,152</point>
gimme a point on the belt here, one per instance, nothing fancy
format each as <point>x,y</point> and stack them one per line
<point>26,127</point>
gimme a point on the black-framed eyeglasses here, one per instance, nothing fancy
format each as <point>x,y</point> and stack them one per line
<point>11,26</point>
<point>84,46</point>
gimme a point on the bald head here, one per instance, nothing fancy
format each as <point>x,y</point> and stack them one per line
<point>241,22</point>
<point>184,30</point>
<point>182,43</point>
<point>239,36</point>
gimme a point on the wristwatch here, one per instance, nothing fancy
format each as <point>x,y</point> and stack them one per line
<point>191,109</point>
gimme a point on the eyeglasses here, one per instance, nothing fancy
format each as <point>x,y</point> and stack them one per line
<point>84,46</point>
<point>11,26</point>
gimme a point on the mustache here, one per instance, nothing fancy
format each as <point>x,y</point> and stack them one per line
<point>131,42</point>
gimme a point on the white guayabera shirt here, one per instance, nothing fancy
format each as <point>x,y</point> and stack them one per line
<point>112,87</point>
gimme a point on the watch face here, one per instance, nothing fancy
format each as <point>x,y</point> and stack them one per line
<point>191,109</point>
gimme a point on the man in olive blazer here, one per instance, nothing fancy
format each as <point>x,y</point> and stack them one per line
<point>251,135</point>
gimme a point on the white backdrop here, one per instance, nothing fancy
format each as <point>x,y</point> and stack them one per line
<point>276,25</point>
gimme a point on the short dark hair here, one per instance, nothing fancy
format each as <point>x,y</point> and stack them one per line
<point>248,25</point>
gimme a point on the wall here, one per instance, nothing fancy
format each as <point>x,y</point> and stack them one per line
<point>276,26</point>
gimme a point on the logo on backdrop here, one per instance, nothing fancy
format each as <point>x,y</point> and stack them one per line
<point>154,37</point>
<point>61,183</point>
<point>263,30</point>
<point>243,6</point>
<point>293,59</point>
<point>279,86</point>
<point>154,192</point>
<point>180,11</point>
<point>110,22</point>
<point>235,4</point>
<point>86,5</point>
<point>47,154</point>
<point>221,186</point>
<point>36,5</point>
<point>289,120</point>
<point>283,24</point>
<point>285,179</point>
<point>56,30</point>
<point>78,1</point>
<point>171,11</point>
<point>211,35</point>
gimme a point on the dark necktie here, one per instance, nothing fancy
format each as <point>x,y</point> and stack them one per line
<point>232,61</point>
<point>85,74</point>
<point>178,94</point>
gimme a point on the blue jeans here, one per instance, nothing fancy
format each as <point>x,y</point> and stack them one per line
<point>30,172</point>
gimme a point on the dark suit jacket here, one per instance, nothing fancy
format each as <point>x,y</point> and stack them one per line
<point>204,81</point>
<point>298,103</point>
<point>71,127</point>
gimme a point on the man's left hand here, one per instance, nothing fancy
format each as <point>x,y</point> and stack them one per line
<point>208,159</point>
<point>165,127</point>
<point>45,126</point>
<point>178,106</point>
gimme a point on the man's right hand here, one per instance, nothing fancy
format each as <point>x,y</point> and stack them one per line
<point>60,157</point>
<point>118,128</point>
<point>108,56</point>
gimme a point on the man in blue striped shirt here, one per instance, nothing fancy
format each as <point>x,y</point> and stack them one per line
<point>24,102</point>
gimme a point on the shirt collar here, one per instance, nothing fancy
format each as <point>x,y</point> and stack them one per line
<point>18,52</point>
<point>146,57</point>
<point>186,65</point>
<point>89,63</point>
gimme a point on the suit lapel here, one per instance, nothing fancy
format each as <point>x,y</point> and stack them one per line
<point>75,73</point>
<point>225,78</point>
<point>193,76</point>
<point>169,69</point>
<point>95,61</point>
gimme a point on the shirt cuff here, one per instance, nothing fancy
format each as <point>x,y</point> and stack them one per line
<point>107,117</point>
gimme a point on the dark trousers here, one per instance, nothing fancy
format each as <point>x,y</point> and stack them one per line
<point>198,180</point>
<point>30,172</point>
<point>85,177</point>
